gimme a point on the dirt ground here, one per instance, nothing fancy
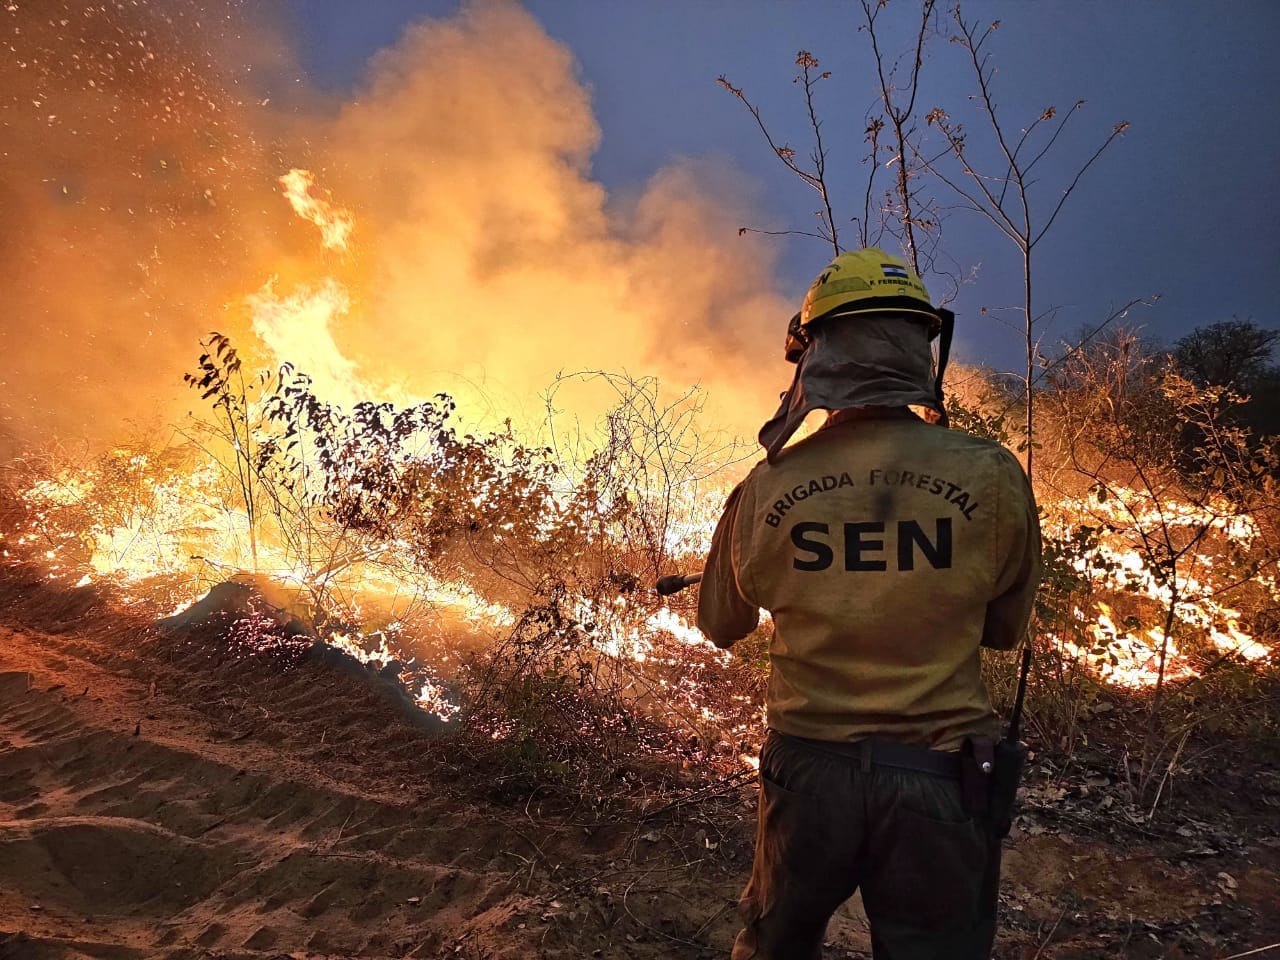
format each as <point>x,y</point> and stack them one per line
<point>161,800</point>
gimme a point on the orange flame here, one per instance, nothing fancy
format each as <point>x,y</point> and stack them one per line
<point>335,223</point>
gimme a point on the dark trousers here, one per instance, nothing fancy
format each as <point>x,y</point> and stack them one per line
<point>929,872</point>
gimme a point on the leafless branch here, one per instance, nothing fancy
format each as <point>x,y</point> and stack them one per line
<point>1116,131</point>
<point>817,177</point>
<point>899,117</point>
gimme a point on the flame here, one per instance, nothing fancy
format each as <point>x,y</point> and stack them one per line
<point>1121,657</point>
<point>187,524</point>
<point>488,252</point>
<point>432,695</point>
<point>297,329</point>
<point>194,514</point>
<point>1131,657</point>
<point>334,222</point>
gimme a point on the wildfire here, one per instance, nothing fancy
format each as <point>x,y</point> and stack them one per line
<point>1130,654</point>
<point>140,520</point>
<point>148,521</point>
<point>415,577</point>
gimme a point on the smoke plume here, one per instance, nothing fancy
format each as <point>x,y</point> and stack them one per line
<point>143,204</point>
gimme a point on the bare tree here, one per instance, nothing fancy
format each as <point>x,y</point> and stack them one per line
<point>1004,197</point>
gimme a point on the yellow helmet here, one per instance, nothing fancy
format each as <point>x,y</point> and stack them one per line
<point>867,281</point>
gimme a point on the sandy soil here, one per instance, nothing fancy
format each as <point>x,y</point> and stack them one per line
<point>164,800</point>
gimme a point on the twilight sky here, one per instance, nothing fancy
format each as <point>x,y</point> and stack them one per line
<point>1183,205</point>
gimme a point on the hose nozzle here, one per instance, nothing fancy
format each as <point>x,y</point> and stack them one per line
<point>675,582</point>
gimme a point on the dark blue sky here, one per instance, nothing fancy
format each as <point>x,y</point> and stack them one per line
<point>1184,205</point>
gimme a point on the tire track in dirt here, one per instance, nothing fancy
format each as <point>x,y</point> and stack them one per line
<point>324,824</point>
<point>113,845</point>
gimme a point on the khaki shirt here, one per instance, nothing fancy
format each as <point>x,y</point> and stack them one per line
<point>887,551</point>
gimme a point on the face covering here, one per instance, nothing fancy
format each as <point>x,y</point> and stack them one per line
<point>863,361</point>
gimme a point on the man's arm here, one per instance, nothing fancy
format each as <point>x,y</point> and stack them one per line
<point>724,614</point>
<point>1019,545</point>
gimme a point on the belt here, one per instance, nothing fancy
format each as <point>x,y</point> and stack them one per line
<point>873,752</point>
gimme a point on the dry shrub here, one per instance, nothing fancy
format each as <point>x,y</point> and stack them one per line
<point>1159,510</point>
<point>374,516</point>
<point>597,667</point>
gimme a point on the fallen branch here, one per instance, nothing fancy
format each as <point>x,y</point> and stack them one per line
<point>1252,953</point>
<point>721,787</point>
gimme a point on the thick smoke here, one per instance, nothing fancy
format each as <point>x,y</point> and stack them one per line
<point>139,189</point>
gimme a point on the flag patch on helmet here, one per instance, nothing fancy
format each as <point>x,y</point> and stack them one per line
<point>893,270</point>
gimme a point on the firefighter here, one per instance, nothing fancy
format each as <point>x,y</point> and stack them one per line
<point>887,549</point>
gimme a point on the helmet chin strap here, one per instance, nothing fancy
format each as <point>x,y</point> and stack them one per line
<point>945,336</point>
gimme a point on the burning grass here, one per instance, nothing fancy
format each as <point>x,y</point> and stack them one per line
<point>508,583</point>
